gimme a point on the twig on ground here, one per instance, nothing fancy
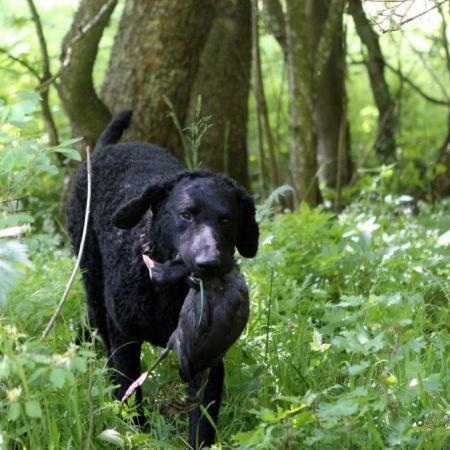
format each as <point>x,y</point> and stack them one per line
<point>80,251</point>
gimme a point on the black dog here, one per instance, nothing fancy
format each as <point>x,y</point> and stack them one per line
<point>143,201</point>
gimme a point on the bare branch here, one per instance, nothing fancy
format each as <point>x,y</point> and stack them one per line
<point>41,39</point>
<point>392,9</point>
<point>50,325</point>
<point>444,38</point>
<point>417,88</point>
<point>46,75</point>
<point>434,77</point>
<point>23,63</point>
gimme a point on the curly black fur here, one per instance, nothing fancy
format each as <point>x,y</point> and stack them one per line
<point>143,201</point>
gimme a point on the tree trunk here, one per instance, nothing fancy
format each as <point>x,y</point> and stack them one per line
<point>223,81</point>
<point>385,142</point>
<point>329,108</point>
<point>275,20</point>
<point>261,103</point>
<point>442,183</point>
<point>155,58</point>
<point>303,162</point>
<point>87,113</point>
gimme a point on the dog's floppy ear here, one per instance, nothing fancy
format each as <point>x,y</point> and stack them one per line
<point>129,215</point>
<point>248,231</point>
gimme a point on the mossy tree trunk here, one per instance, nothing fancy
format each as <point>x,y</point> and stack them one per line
<point>442,182</point>
<point>385,144</point>
<point>88,115</point>
<point>155,58</point>
<point>311,30</point>
<point>330,108</point>
<point>223,80</point>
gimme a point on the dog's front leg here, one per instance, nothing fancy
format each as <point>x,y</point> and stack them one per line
<point>125,360</point>
<point>202,432</point>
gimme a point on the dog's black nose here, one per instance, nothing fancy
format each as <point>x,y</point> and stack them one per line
<point>207,262</point>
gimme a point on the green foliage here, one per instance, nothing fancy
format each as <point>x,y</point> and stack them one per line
<point>347,346</point>
<point>358,335</point>
<point>348,342</point>
<point>26,168</point>
<point>191,135</point>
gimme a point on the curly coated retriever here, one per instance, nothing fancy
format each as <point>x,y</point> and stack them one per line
<point>145,202</point>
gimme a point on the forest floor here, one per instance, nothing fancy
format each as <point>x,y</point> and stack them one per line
<point>347,345</point>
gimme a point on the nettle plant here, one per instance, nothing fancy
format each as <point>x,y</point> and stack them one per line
<point>350,335</point>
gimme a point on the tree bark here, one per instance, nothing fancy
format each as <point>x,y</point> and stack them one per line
<point>257,89</point>
<point>303,162</point>
<point>155,57</point>
<point>442,183</point>
<point>261,100</point>
<point>275,21</point>
<point>223,81</point>
<point>329,109</point>
<point>46,75</point>
<point>385,144</point>
<point>322,57</point>
<point>87,113</point>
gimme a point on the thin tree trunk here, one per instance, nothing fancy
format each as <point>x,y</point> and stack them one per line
<point>155,58</point>
<point>257,86</point>
<point>329,109</point>
<point>385,144</point>
<point>223,82</point>
<point>46,75</point>
<point>87,113</point>
<point>261,100</point>
<point>442,183</point>
<point>275,21</point>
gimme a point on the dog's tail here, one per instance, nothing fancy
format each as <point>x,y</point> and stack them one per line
<point>114,130</point>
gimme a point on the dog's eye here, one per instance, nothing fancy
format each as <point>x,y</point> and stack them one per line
<point>186,215</point>
<point>225,220</point>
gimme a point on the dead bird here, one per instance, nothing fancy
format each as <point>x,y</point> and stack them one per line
<point>212,318</point>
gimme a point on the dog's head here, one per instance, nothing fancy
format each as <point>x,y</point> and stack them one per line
<point>200,216</point>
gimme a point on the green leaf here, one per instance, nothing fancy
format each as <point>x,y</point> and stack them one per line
<point>356,369</point>
<point>33,409</point>
<point>68,152</point>
<point>58,377</point>
<point>68,142</point>
<point>15,158</point>
<point>14,411</point>
<point>31,96</point>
